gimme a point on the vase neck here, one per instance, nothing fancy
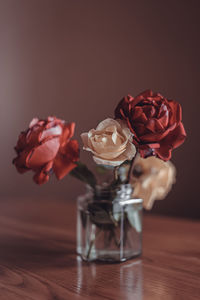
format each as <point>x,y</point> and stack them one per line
<point>122,191</point>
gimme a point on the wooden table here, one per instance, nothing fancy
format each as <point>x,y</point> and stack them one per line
<point>38,259</point>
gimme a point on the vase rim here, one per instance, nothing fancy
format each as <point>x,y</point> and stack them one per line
<point>131,201</point>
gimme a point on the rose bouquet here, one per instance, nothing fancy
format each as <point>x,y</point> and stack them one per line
<point>135,145</point>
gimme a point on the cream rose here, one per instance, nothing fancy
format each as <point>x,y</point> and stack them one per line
<point>153,179</point>
<point>110,143</point>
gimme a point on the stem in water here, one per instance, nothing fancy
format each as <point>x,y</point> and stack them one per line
<point>92,243</point>
<point>130,171</point>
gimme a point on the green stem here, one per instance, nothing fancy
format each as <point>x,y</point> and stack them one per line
<point>112,219</point>
<point>92,243</point>
<point>116,173</point>
<point>130,171</point>
<point>82,173</point>
<point>117,243</point>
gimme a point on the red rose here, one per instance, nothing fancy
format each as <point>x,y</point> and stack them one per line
<point>155,122</point>
<point>46,146</point>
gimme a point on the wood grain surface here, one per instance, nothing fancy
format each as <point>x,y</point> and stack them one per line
<point>38,259</point>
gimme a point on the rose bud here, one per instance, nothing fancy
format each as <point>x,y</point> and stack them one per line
<point>46,146</point>
<point>153,181</point>
<point>155,123</point>
<point>110,143</point>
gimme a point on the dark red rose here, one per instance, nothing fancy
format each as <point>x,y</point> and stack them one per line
<point>45,147</point>
<point>155,122</point>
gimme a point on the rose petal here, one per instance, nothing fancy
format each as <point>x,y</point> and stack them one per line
<point>52,121</point>
<point>65,162</point>
<point>109,155</point>
<point>68,132</point>
<point>175,137</point>
<point>142,96</point>
<point>176,112</point>
<point>128,154</point>
<point>132,130</point>
<point>154,126</point>
<point>43,153</point>
<point>105,151</point>
<point>172,141</point>
<point>164,118</point>
<point>156,137</point>
<point>20,161</point>
<point>33,122</point>
<point>113,163</point>
<point>33,136</point>
<point>107,123</point>
<point>149,111</point>
<point>140,129</point>
<point>21,143</point>
<point>104,147</point>
<point>155,182</point>
<point>84,137</point>
<point>164,153</point>
<point>42,175</point>
<point>51,132</point>
<point>40,178</point>
<point>123,107</point>
<point>138,115</point>
<point>20,166</point>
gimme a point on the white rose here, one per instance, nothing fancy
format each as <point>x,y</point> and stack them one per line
<point>110,143</point>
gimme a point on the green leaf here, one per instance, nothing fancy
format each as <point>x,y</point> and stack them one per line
<point>82,173</point>
<point>101,214</point>
<point>101,170</point>
<point>98,214</point>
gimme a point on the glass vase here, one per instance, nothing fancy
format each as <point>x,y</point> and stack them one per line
<point>109,224</point>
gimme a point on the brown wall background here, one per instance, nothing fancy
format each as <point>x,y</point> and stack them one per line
<point>76,59</point>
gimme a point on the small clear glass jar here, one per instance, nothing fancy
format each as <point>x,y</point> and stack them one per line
<point>109,224</point>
